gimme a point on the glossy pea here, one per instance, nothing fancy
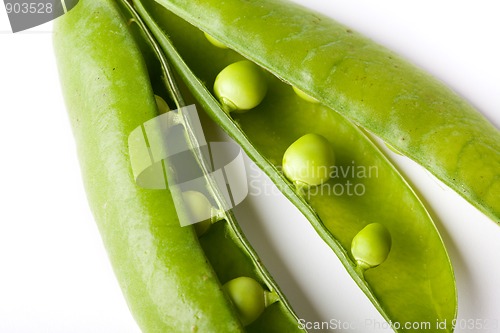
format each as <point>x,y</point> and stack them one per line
<point>240,86</point>
<point>162,267</point>
<point>247,296</point>
<point>309,160</point>
<point>267,132</point>
<point>371,246</point>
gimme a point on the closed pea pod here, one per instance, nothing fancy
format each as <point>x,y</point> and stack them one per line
<point>161,105</point>
<point>308,161</point>
<point>240,86</point>
<point>249,298</point>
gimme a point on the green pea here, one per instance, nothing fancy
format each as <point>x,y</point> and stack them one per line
<point>161,105</point>
<point>371,246</point>
<point>200,210</point>
<point>214,41</point>
<point>304,96</point>
<point>248,297</point>
<point>308,161</point>
<point>240,86</point>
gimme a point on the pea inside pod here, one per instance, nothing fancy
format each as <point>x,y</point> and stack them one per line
<point>411,285</point>
<point>201,211</point>
<point>371,246</point>
<point>309,161</point>
<point>240,86</point>
<point>249,298</point>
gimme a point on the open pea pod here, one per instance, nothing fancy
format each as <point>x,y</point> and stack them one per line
<point>172,280</point>
<point>371,86</point>
<point>415,284</point>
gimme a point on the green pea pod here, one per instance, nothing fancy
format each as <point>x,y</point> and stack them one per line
<point>371,86</point>
<point>415,283</point>
<point>172,280</point>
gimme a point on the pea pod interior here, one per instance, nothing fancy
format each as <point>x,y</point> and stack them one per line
<point>170,278</point>
<point>416,282</point>
<point>373,87</point>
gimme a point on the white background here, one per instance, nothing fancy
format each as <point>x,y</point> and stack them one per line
<point>54,273</point>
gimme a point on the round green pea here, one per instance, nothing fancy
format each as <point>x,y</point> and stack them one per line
<point>304,96</point>
<point>248,297</point>
<point>240,86</point>
<point>371,246</point>
<point>200,210</point>
<point>215,42</point>
<point>308,161</point>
